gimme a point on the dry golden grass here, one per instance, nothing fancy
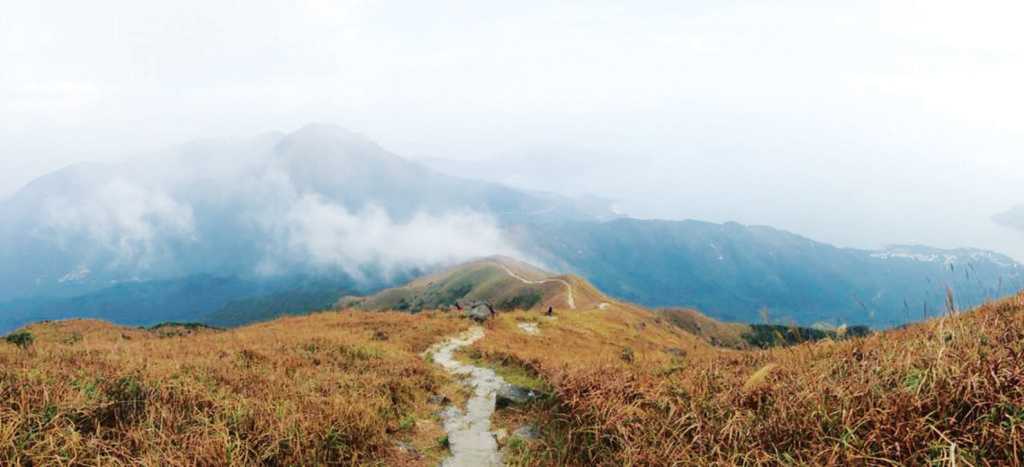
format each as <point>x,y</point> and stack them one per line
<point>627,388</point>
<point>331,388</point>
<point>716,332</point>
<point>587,337</point>
<point>946,391</point>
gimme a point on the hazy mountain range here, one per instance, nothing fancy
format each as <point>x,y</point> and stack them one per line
<point>1014,218</point>
<point>230,232</point>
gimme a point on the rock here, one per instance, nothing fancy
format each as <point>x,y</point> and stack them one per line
<point>408,449</point>
<point>530,328</point>
<point>527,432</point>
<point>438,399</point>
<point>479,313</point>
<point>514,395</point>
<point>675,352</point>
<point>501,436</point>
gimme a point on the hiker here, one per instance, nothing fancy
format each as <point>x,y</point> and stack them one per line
<point>489,307</point>
<point>551,311</point>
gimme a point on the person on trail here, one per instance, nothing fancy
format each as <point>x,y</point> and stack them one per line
<point>551,311</point>
<point>489,307</point>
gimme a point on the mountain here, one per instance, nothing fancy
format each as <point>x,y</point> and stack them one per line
<point>735,272</point>
<point>258,206</point>
<point>213,300</point>
<point>323,205</point>
<point>1013,218</point>
<point>269,214</point>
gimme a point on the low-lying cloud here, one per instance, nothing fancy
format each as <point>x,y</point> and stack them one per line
<point>322,234</point>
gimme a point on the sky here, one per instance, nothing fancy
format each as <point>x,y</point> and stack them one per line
<point>858,123</point>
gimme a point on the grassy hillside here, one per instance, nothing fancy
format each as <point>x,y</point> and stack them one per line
<point>624,393</point>
<point>624,385</point>
<point>339,388</point>
<point>505,283</point>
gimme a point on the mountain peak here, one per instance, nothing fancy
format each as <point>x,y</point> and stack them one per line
<point>326,130</point>
<point>323,142</point>
<point>1012,218</point>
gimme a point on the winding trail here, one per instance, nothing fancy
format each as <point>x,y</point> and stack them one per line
<point>469,433</point>
<point>570,299</point>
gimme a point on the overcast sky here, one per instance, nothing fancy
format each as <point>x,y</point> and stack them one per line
<point>860,123</point>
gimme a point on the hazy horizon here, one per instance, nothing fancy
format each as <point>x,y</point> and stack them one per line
<point>855,124</point>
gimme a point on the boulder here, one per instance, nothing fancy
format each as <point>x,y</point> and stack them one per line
<point>407,449</point>
<point>500,436</point>
<point>527,432</point>
<point>479,313</point>
<point>510,394</point>
<point>438,399</point>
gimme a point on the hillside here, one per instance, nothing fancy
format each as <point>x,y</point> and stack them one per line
<point>502,282</point>
<point>508,284</point>
<point>325,388</point>
<point>949,391</point>
<point>620,385</point>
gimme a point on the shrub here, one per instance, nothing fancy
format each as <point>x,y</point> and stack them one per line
<point>22,339</point>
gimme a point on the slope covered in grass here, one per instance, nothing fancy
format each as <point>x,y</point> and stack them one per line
<point>949,389</point>
<point>624,385</point>
<point>505,283</point>
<point>330,388</point>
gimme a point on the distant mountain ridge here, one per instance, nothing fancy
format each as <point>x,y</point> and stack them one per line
<point>330,206</point>
<point>733,272</point>
<point>1013,218</point>
<point>222,208</point>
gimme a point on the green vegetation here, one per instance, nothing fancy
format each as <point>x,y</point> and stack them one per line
<point>185,325</point>
<point>522,301</point>
<point>773,335</point>
<point>22,339</point>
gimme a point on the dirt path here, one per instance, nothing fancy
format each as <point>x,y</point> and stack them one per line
<point>570,299</point>
<point>469,432</point>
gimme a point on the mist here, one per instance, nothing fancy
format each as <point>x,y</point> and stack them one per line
<point>259,207</point>
<point>860,124</point>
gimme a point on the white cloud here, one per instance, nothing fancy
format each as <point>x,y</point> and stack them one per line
<point>322,234</point>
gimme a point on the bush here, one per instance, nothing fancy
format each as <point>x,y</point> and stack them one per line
<point>22,339</point>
